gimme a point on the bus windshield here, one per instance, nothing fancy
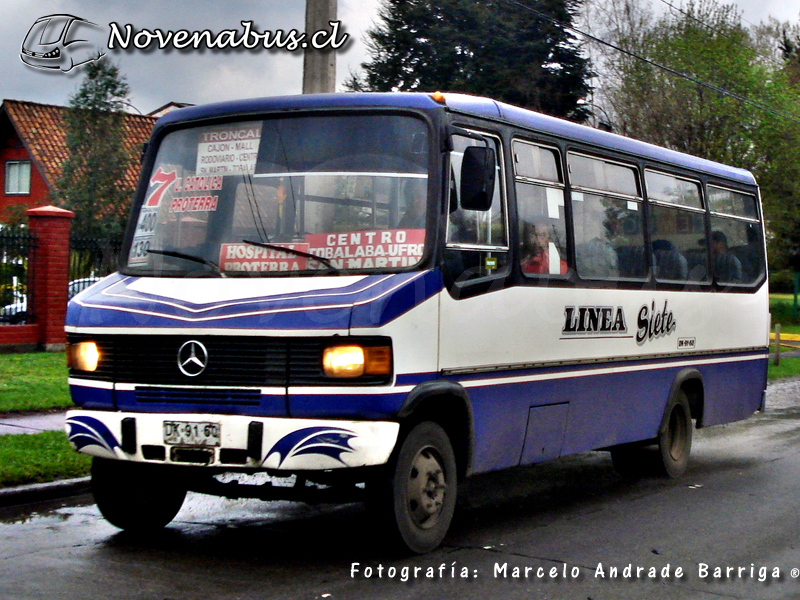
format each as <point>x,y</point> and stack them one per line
<point>307,194</point>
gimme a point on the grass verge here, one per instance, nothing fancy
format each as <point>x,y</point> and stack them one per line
<point>39,458</point>
<point>789,367</point>
<point>781,306</point>
<point>33,382</point>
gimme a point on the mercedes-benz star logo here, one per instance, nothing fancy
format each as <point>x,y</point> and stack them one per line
<point>192,358</point>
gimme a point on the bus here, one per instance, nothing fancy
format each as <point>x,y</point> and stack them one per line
<point>371,297</point>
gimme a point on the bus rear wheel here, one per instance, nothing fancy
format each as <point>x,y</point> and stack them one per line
<point>675,436</point>
<point>673,445</point>
<point>417,500</point>
<point>136,497</point>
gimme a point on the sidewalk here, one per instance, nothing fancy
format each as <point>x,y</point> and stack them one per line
<point>33,423</point>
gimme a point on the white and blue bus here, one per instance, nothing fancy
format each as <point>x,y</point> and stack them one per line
<point>375,296</point>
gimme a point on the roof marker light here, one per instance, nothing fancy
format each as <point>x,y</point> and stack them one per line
<point>438,97</point>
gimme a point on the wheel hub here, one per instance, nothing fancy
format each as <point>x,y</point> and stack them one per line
<point>427,488</point>
<point>677,435</point>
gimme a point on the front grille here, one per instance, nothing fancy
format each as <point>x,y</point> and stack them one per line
<point>233,361</point>
<point>198,396</point>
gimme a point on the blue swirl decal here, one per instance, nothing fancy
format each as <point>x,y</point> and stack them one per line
<point>328,441</point>
<point>88,431</point>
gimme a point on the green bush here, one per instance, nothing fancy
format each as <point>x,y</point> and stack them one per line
<point>782,311</point>
<point>781,282</point>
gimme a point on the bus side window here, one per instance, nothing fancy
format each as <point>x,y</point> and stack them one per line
<point>608,220</point>
<point>677,228</point>
<point>736,244</point>
<point>540,207</point>
<point>477,241</point>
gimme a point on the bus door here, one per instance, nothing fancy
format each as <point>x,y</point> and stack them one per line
<point>490,331</point>
<point>476,263</point>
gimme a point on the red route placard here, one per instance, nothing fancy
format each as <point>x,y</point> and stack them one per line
<point>381,249</point>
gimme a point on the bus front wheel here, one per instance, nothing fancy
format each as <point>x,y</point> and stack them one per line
<point>136,497</point>
<point>418,497</point>
<point>675,436</point>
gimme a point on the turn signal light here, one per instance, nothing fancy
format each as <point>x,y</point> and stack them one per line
<point>356,361</point>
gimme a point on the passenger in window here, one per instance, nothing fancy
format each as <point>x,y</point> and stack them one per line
<point>750,255</point>
<point>596,224</point>
<point>727,266</point>
<point>597,258</point>
<point>670,264</point>
<point>415,194</point>
<point>539,251</point>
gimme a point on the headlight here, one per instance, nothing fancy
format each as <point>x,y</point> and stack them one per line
<point>355,360</point>
<point>83,356</point>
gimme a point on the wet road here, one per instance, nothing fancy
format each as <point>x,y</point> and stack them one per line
<point>565,524</point>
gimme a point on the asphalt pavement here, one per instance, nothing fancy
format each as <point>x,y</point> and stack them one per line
<point>734,513</point>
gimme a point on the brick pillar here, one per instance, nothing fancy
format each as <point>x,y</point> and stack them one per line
<point>49,273</point>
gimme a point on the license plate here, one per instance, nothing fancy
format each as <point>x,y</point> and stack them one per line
<point>191,433</point>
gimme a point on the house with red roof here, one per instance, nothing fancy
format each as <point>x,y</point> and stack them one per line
<point>33,148</point>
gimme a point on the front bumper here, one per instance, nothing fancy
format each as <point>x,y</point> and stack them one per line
<point>245,442</point>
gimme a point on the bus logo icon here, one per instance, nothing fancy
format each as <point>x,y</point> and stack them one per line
<point>60,42</point>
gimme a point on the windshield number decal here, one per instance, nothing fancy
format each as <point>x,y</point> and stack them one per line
<point>165,180</point>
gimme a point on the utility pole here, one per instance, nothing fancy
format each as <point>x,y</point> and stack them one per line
<point>319,66</point>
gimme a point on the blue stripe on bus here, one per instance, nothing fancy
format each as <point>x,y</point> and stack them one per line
<point>604,409</point>
<point>346,406</point>
<point>386,308</point>
<point>91,397</point>
<point>268,406</point>
<point>375,301</point>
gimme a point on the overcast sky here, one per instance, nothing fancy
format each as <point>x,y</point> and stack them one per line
<point>157,76</point>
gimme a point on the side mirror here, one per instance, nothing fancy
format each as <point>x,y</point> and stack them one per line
<point>477,178</point>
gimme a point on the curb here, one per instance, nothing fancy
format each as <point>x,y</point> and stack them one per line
<point>41,492</point>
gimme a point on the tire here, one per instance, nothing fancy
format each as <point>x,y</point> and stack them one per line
<point>670,456</point>
<point>417,499</point>
<point>675,437</point>
<point>136,497</point>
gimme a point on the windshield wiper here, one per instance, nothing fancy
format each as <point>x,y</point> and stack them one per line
<point>191,257</point>
<point>320,259</point>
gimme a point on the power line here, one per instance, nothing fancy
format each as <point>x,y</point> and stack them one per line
<point>718,32</point>
<point>692,78</point>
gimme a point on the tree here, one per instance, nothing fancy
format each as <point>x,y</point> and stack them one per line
<point>485,47</point>
<point>93,174</point>
<point>736,104</point>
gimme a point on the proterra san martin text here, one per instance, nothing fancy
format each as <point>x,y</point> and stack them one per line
<point>564,572</point>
